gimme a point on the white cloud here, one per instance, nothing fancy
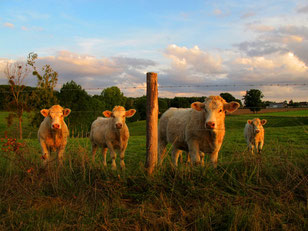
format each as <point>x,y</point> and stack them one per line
<point>194,59</point>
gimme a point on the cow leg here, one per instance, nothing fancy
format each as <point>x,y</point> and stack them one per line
<point>181,156</point>
<point>45,155</point>
<point>162,147</point>
<point>113,155</point>
<point>214,157</point>
<point>251,147</point>
<point>122,154</point>
<point>188,157</point>
<point>260,146</point>
<point>175,156</point>
<point>60,155</point>
<point>104,153</point>
<point>202,158</point>
<point>193,147</point>
<point>94,149</point>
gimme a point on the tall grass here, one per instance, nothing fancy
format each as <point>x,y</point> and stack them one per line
<point>261,192</point>
<point>245,192</point>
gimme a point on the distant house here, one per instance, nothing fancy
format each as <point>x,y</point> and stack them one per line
<point>277,105</point>
<point>303,104</point>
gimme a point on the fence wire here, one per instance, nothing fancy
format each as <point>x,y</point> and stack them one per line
<point>172,86</point>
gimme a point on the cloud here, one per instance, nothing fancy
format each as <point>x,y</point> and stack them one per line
<point>194,59</point>
<point>8,24</point>
<point>303,9</point>
<point>93,72</point>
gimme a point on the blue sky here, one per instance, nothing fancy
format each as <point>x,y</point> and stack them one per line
<point>105,43</point>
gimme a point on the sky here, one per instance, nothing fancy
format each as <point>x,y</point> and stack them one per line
<point>198,48</point>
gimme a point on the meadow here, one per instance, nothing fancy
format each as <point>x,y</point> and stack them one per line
<point>266,191</point>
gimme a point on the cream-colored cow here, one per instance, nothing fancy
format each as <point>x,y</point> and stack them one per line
<point>254,134</point>
<point>53,132</point>
<point>111,133</point>
<point>197,130</point>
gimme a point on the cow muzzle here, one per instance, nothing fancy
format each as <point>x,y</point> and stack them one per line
<point>210,125</point>
<point>55,126</point>
<point>119,125</point>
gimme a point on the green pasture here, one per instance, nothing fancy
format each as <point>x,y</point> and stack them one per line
<point>245,192</point>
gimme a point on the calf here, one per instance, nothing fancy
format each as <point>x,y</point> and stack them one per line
<point>53,132</point>
<point>111,132</point>
<point>197,130</point>
<point>254,134</point>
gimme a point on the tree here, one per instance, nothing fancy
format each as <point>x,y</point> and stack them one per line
<point>18,99</point>
<point>229,98</point>
<point>112,96</point>
<point>44,96</point>
<point>85,108</point>
<point>252,100</point>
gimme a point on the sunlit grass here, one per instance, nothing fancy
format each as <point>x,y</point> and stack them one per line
<point>245,192</point>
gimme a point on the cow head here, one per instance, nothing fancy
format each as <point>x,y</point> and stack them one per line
<point>56,114</point>
<point>215,109</point>
<point>256,124</point>
<point>118,115</point>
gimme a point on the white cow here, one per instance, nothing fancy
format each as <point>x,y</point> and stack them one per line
<point>197,130</point>
<point>254,134</point>
<point>111,132</point>
<point>53,132</point>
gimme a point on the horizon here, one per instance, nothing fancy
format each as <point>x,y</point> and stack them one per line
<point>223,45</point>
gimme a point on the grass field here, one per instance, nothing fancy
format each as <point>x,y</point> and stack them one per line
<point>261,192</point>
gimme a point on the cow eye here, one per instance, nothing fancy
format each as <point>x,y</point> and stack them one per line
<point>220,110</point>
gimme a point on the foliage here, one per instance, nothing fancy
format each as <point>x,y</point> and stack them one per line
<point>112,96</point>
<point>229,98</point>
<point>44,96</point>
<point>252,100</point>
<point>17,99</point>
<point>84,108</point>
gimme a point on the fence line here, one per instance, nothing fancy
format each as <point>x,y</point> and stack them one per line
<point>175,86</point>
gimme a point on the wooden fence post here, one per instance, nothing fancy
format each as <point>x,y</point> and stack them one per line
<point>152,119</point>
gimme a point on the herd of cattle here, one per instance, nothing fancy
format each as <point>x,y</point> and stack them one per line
<point>196,130</point>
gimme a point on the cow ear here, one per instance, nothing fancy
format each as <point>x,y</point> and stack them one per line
<point>66,112</point>
<point>263,122</point>
<point>197,106</point>
<point>130,113</point>
<point>231,107</point>
<point>44,112</point>
<point>249,121</point>
<point>107,113</point>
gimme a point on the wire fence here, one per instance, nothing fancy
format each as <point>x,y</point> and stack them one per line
<point>173,86</point>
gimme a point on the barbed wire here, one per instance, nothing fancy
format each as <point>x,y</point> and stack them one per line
<point>172,86</point>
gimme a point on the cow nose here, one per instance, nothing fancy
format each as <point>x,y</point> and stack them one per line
<point>210,125</point>
<point>119,125</point>
<point>56,126</point>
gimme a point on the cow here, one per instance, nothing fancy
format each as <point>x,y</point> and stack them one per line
<point>111,133</point>
<point>53,132</point>
<point>254,134</point>
<point>196,130</point>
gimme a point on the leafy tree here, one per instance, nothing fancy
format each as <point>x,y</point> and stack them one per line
<point>229,98</point>
<point>44,96</point>
<point>84,108</point>
<point>252,100</point>
<point>162,105</point>
<point>17,99</point>
<point>112,96</point>
<point>140,106</point>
